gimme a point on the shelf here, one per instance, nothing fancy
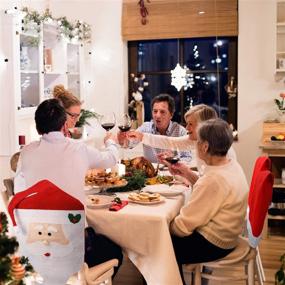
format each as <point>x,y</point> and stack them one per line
<point>26,34</point>
<point>278,183</point>
<point>29,71</point>
<point>271,217</point>
<point>280,52</point>
<point>73,73</point>
<point>58,73</point>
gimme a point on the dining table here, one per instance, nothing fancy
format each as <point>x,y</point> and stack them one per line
<point>142,230</point>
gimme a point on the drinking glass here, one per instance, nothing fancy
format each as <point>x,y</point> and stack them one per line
<point>124,124</point>
<point>108,121</point>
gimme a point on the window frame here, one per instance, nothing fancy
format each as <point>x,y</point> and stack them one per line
<point>232,71</point>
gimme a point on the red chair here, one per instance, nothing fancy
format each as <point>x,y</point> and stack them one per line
<point>261,163</point>
<point>245,253</point>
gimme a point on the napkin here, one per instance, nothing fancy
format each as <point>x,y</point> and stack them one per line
<point>118,206</point>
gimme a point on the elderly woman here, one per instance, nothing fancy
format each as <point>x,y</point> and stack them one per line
<point>208,226</point>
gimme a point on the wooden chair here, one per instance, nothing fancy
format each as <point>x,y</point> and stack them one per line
<point>8,192</point>
<point>99,274</point>
<point>245,253</point>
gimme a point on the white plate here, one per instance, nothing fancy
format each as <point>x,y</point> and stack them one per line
<point>162,199</point>
<point>165,190</point>
<point>104,201</point>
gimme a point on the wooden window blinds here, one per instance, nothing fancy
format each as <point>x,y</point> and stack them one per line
<point>180,19</point>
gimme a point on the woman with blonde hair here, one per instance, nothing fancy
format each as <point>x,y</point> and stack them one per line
<point>70,103</point>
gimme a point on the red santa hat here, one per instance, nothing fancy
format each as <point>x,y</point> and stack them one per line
<point>47,203</point>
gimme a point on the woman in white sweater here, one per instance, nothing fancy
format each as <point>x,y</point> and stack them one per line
<point>208,226</point>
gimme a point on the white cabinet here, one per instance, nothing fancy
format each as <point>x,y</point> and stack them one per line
<point>280,36</point>
<point>37,61</point>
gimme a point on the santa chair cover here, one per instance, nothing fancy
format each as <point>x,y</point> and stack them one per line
<point>50,230</point>
<point>261,163</point>
<point>259,199</point>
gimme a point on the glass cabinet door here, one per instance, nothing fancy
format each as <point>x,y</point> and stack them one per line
<point>30,70</point>
<point>73,68</point>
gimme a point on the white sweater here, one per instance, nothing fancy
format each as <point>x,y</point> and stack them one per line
<point>63,161</point>
<point>217,206</point>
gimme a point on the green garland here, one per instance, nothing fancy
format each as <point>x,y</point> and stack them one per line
<point>79,30</point>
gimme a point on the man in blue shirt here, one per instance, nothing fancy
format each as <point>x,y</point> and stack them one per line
<point>163,108</point>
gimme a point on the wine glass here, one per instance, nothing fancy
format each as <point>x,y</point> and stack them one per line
<point>108,121</point>
<point>124,124</point>
<point>173,157</point>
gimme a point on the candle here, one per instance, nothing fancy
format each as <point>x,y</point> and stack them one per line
<point>121,169</point>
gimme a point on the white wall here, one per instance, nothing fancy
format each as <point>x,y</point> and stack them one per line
<point>257,85</point>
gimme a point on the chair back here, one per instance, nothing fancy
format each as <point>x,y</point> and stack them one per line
<point>260,196</point>
<point>261,163</point>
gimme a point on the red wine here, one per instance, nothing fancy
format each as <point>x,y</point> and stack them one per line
<point>108,126</point>
<point>172,159</point>
<point>124,128</point>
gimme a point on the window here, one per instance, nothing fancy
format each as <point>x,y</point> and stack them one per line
<point>212,61</point>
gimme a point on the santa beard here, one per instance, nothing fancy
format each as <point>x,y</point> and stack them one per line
<point>54,262</point>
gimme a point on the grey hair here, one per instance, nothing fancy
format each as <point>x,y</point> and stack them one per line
<point>218,134</point>
<point>201,112</point>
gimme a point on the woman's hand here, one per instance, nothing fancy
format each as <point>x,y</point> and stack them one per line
<point>184,171</point>
<point>134,135</point>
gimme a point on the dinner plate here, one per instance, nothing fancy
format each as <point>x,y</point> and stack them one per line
<point>102,202</point>
<point>165,190</point>
<point>162,199</point>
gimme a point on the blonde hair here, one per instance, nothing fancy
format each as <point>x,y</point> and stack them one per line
<point>201,112</point>
<point>65,97</point>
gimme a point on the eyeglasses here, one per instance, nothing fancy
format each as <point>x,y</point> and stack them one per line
<point>73,115</point>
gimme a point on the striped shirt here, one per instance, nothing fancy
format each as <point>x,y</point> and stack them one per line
<point>173,130</point>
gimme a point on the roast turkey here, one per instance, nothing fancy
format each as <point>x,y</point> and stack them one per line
<point>143,164</point>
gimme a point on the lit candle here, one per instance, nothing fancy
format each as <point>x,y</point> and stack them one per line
<point>121,169</point>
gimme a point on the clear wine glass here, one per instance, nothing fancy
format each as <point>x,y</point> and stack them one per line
<point>108,121</point>
<point>124,124</point>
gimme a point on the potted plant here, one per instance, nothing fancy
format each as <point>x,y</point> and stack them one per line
<point>84,116</point>
<point>76,133</point>
<point>280,274</point>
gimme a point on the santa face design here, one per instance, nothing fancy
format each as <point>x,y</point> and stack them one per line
<point>47,240</point>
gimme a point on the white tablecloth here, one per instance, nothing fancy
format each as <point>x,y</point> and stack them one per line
<point>143,232</point>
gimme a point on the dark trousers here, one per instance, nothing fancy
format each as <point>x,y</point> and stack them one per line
<point>195,249</point>
<point>99,248</point>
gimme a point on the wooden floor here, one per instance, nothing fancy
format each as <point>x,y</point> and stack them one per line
<point>270,250</point>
